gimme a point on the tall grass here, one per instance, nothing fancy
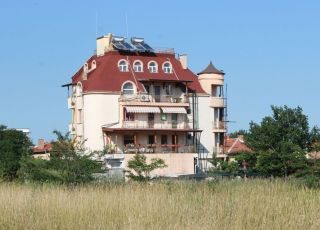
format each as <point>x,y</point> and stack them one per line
<point>257,204</point>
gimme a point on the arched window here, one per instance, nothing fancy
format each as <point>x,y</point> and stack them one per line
<point>153,67</point>
<point>137,66</point>
<point>167,67</point>
<point>123,67</point>
<point>128,88</point>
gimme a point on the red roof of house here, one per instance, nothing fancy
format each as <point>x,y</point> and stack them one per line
<point>41,149</point>
<point>236,145</point>
<point>107,77</point>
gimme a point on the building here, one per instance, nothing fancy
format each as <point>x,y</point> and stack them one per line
<point>130,98</point>
<point>234,146</point>
<point>42,150</point>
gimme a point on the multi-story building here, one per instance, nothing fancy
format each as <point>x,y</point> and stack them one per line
<point>130,98</point>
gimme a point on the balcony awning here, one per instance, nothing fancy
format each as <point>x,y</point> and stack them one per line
<point>174,110</point>
<point>142,109</point>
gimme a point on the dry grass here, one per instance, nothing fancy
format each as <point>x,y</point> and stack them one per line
<point>254,204</point>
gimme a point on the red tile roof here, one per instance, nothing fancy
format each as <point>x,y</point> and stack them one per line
<point>107,77</point>
<point>236,145</point>
<point>41,149</point>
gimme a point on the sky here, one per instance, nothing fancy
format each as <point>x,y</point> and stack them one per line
<point>269,51</point>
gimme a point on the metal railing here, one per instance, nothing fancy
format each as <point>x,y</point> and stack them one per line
<point>155,148</point>
<point>155,125</point>
<point>152,98</point>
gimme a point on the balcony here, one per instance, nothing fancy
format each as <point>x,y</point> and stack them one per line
<point>143,99</point>
<point>79,103</point>
<point>79,129</point>
<point>153,125</point>
<point>72,129</point>
<point>216,102</point>
<point>219,126</point>
<point>157,148</point>
<point>71,103</point>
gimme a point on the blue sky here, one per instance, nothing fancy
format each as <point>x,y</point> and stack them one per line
<point>269,50</point>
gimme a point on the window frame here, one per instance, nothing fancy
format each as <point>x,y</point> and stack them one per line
<point>135,64</point>
<point>153,69</point>
<point>123,90</point>
<point>167,69</point>
<point>121,67</point>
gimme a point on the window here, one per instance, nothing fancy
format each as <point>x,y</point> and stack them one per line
<point>151,139</point>
<point>128,88</point>
<point>174,119</point>
<point>123,67</point>
<point>128,140</point>
<point>168,89</point>
<point>153,68</point>
<point>137,66</point>
<point>163,116</point>
<point>129,117</point>
<point>167,67</point>
<point>216,91</point>
<point>147,88</point>
<point>164,139</point>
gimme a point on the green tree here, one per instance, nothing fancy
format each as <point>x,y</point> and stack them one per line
<point>14,145</point>
<point>68,164</point>
<point>285,125</point>
<point>281,141</point>
<point>141,169</point>
<point>235,134</point>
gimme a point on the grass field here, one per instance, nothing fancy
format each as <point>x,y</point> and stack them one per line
<point>257,204</point>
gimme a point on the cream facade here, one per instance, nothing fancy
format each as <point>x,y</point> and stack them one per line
<point>159,109</point>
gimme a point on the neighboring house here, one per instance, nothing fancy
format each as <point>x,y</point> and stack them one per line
<point>234,146</point>
<point>42,150</point>
<point>130,98</point>
<point>314,155</point>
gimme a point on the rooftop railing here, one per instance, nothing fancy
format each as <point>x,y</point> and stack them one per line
<point>153,98</point>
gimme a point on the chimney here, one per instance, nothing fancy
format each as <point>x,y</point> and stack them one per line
<point>183,58</point>
<point>241,138</point>
<point>41,143</point>
<point>104,44</point>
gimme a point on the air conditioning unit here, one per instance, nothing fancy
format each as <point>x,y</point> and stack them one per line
<point>144,97</point>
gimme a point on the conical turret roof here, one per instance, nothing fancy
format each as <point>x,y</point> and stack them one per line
<point>211,69</point>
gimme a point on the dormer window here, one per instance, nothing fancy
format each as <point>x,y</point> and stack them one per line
<point>153,67</point>
<point>137,66</point>
<point>123,66</point>
<point>167,67</point>
<point>128,88</point>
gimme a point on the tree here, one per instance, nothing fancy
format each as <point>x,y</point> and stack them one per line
<point>141,169</point>
<point>285,125</point>
<point>235,134</point>
<point>281,141</point>
<point>14,145</point>
<point>69,164</point>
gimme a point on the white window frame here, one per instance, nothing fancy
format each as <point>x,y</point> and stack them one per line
<point>123,90</point>
<point>167,69</point>
<point>153,69</point>
<point>122,67</point>
<point>136,69</point>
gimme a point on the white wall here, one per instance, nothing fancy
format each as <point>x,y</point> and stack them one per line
<point>206,117</point>
<point>98,110</point>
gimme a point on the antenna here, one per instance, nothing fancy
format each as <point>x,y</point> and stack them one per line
<point>127,25</point>
<point>96,24</point>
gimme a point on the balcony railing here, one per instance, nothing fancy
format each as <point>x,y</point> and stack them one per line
<point>152,98</point>
<point>219,125</point>
<point>149,125</point>
<point>217,102</point>
<point>154,148</point>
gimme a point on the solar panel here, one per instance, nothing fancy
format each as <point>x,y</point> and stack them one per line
<point>140,45</point>
<point>120,44</point>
